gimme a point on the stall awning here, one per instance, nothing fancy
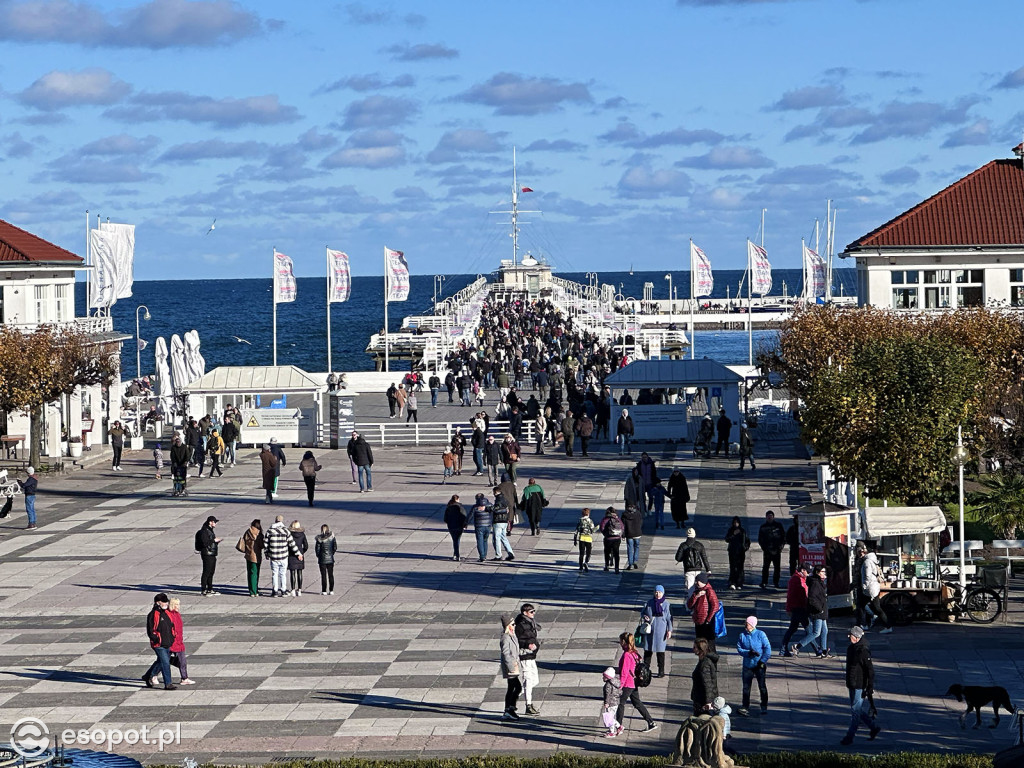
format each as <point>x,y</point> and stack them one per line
<point>254,379</point>
<point>644,374</point>
<point>902,521</point>
<point>822,508</point>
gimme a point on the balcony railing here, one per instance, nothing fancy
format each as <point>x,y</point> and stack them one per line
<point>87,325</point>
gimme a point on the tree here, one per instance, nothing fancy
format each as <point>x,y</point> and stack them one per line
<point>39,367</point>
<point>1002,504</point>
<point>884,392</point>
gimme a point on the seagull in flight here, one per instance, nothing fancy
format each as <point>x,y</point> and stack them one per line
<point>212,227</point>
<point>240,340</point>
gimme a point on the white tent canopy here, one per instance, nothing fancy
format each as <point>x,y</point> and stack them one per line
<point>902,521</point>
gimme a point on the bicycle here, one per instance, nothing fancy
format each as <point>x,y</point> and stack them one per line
<point>981,604</point>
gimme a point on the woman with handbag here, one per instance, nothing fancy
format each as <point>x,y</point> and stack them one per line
<point>705,677</point>
<point>251,544</point>
<point>510,453</point>
<point>511,669</point>
<point>703,605</point>
<point>657,615</point>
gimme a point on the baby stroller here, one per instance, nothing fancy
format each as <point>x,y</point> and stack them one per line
<point>180,475</point>
<point>8,490</point>
<point>702,444</point>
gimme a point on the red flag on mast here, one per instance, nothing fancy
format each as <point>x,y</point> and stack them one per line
<point>526,189</point>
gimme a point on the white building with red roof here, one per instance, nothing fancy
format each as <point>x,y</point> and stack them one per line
<point>962,247</point>
<point>37,287</point>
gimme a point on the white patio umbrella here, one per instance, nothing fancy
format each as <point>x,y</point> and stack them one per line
<point>194,359</point>
<point>164,385</point>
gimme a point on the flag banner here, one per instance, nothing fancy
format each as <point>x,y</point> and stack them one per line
<point>703,281</point>
<point>397,275</point>
<point>339,279</point>
<point>123,245</point>
<point>284,279</point>
<point>761,270</point>
<point>102,244</point>
<point>814,268</point>
<point>526,189</point>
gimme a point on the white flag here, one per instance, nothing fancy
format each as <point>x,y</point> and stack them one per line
<point>102,244</point>
<point>284,279</point>
<point>814,268</point>
<point>760,269</point>
<point>339,280</point>
<point>700,265</point>
<point>123,244</point>
<point>397,275</point>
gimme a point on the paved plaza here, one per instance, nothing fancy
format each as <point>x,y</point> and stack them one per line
<point>403,659</point>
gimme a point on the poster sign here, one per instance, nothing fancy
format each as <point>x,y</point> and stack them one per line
<point>260,424</point>
<point>342,419</point>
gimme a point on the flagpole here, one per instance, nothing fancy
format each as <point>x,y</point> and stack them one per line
<point>387,362</point>
<point>693,351</point>
<point>750,305</point>
<point>88,262</point>
<point>327,253</point>
<point>803,259</point>
<point>274,299</point>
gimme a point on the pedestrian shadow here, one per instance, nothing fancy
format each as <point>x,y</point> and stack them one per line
<point>224,589</point>
<point>535,729</point>
<point>73,676</point>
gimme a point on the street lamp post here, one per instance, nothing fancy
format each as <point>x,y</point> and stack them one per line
<point>669,278</point>
<point>138,339</point>
<point>438,287</point>
<point>960,458</point>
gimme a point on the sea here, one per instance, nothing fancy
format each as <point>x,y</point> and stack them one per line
<point>221,310</point>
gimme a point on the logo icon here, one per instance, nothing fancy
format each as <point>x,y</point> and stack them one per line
<point>30,737</point>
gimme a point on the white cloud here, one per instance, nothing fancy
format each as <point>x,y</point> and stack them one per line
<point>59,89</point>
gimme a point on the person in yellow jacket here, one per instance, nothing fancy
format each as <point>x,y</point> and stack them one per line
<point>215,449</point>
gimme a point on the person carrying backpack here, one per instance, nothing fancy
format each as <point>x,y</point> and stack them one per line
<point>691,555</point>
<point>611,529</point>
<point>628,668</point>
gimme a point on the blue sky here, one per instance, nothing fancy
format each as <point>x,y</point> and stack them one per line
<point>355,125</point>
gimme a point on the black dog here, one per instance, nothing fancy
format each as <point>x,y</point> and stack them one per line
<point>977,696</point>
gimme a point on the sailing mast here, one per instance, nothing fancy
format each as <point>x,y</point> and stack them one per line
<point>514,212</point>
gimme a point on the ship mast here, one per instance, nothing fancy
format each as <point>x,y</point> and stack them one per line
<point>514,212</point>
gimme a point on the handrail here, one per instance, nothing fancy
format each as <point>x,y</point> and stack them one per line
<point>433,432</point>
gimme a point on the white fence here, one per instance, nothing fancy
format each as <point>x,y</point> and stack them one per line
<point>434,433</point>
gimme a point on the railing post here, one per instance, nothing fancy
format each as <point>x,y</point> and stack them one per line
<point>417,433</point>
<point>381,428</point>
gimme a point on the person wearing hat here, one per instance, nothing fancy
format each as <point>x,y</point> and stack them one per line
<point>29,486</point>
<point>657,612</point>
<point>796,605</point>
<point>746,447</point>
<point>160,630</point>
<point>693,559</point>
<point>703,605</point>
<point>208,541</point>
<point>755,650</point>
<point>511,669</point>
<point>527,629</point>
<point>860,682</point>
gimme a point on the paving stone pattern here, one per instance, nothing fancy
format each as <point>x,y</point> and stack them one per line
<point>402,659</point>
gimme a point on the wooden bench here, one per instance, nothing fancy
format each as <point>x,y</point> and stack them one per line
<point>1007,545</point>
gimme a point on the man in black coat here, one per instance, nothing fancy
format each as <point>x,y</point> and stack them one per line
<point>362,456</point>
<point>208,553</point>
<point>229,434</point>
<point>771,538</point>
<point>392,395</point>
<point>526,627</point>
<point>724,428</point>
<point>860,682</point>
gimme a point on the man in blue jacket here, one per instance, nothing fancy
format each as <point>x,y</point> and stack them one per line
<point>755,650</point>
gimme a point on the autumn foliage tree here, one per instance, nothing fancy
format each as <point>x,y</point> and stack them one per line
<point>39,367</point>
<point>883,392</point>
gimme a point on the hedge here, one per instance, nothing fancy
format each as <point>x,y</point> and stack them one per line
<point>580,760</point>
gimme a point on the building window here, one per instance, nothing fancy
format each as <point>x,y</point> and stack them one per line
<point>970,287</point>
<point>42,296</point>
<point>61,293</point>
<point>1017,287</point>
<point>904,298</point>
<point>934,276</point>
<point>904,277</point>
<point>936,298</point>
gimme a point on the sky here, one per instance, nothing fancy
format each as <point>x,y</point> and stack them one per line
<point>362,125</point>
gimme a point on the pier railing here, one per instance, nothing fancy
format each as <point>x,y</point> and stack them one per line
<point>435,433</point>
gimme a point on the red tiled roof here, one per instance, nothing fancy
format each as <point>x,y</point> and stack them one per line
<point>985,207</point>
<point>18,245</point>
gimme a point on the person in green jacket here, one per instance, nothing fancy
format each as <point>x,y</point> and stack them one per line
<point>533,502</point>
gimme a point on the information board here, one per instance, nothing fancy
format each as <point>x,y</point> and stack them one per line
<point>260,424</point>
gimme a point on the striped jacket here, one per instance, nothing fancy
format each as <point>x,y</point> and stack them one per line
<point>278,542</point>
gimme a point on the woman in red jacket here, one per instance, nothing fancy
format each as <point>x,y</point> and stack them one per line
<point>627,666</point>
<point>703,605</point>
<point>178,647</point>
